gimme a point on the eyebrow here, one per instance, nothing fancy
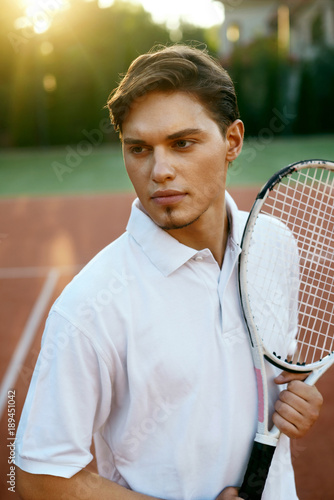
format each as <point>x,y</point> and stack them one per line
<point>184,133</point>
<point>181,133</point>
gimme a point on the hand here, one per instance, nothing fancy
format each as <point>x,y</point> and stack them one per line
<point>298,407</point>
<point>228,494</point>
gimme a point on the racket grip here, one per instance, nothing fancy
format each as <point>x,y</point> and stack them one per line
<point>257,471</point>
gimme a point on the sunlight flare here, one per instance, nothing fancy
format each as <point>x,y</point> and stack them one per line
<point>39,13</point>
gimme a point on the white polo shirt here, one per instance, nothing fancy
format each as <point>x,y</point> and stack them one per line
<point>146,349</point>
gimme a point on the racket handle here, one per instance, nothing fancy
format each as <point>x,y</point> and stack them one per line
<point>257,471</point>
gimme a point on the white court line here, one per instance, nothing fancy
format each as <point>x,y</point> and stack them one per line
<point>35,272</point>
<point>28,336</point>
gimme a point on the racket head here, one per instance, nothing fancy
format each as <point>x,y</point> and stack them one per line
<point>286,267</point>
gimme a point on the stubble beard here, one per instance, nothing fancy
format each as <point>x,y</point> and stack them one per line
<point>177,225</point>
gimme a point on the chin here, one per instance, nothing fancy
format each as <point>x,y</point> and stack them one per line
<point>173,216</point>
<point>176,223</point>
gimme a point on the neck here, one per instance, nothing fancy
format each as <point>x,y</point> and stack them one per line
<point>204,233</point>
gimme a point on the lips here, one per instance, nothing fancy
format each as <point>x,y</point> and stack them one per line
<point>167,196</point>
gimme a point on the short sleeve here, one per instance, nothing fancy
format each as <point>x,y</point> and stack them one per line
<point>68,400</point>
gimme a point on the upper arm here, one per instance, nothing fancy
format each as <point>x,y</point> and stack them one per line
<point>68,400</point>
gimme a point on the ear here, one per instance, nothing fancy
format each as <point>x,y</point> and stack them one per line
<point>235,139</point>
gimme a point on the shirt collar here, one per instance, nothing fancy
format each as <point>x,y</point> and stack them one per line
<point>165,252</point>
<point>236,226</point>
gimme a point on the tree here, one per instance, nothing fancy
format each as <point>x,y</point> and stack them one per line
<point>88,48</point>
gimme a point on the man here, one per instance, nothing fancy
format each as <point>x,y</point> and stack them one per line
<point>146,349</point>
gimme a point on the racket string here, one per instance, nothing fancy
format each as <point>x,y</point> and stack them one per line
<point>309,300</point>
<point>311,275</point>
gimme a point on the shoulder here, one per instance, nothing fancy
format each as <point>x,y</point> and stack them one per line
<point>242,218</point>
<point>111,269</point>
<point>95,305</point>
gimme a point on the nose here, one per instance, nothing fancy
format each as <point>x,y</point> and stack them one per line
<point>163,169</point>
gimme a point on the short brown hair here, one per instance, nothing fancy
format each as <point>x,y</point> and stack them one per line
<point>177,68</point>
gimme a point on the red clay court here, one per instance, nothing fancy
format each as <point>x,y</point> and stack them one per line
<point>43,244</point>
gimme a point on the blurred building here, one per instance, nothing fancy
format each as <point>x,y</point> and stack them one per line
<point>302,26</point>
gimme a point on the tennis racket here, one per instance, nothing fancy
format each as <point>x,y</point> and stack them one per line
<point>286,281</point>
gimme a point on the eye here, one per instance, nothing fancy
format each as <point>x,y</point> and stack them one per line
<point>136,149</point>
<point>182,143</point>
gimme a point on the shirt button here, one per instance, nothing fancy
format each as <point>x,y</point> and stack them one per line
<point>198,258</point>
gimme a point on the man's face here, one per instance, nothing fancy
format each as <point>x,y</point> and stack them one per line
<point>176,158</point>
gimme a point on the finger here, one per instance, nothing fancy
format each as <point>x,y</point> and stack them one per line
<point>294,426</point>
<point>294,416</point>
<point>308,393</point>
<point>286,377</point>
<point>302,399</point>
<point>229,493</point>
<point>290,421</point>
<point>286,427</point>
<point>290,399</point>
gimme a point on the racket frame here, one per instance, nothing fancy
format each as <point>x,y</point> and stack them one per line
<point>266,440</point>
<point>255,338</point>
